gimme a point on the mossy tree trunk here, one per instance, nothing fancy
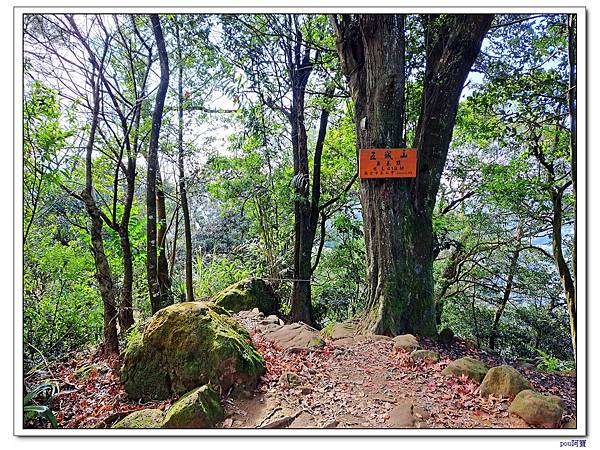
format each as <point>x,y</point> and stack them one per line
<point>397,213</point>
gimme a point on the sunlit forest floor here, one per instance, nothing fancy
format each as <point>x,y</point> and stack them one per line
<point>358,382</point>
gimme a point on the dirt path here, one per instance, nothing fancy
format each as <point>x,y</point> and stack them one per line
<point>362,383</point>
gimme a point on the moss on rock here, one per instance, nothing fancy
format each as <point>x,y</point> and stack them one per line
<point>467,366</point>
<point>539,410</point>
<point>186,345</point>
<point>144,418</point>
<point>199,408</point>
<point>427,355</point>
<point>503,381</point>
<point>248,294</point>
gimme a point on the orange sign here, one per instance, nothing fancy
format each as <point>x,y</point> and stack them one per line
<point>387,163</point>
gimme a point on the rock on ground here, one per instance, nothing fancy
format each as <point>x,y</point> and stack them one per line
<point>427,355</point>
<point>295,335</point>
<point>470,367</point>
<point>199,408</point>
<point>407,415</point>
<point>503,381</point>
<point>536,409</point>
<point>406,342</point>
<point>339,331</point>
<point>246,295</point>
<point>187,345</point>
<point>144,418</point>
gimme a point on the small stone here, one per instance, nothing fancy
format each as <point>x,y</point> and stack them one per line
<point>380,337</point>
<point>406,342</point>
<point>289,379</point>
<point>305,390</point>
<point>272,319</point>
<point>402,416</point>
<point>427,355</point>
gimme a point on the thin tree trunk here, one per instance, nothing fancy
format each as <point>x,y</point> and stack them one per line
<point>449,276</point>
<point>189,284</point>
<point>512,268</point>
<point>397,213</point>
<point>572,98</point>
<point>103,272</point>
<point>156,300</point>
<point>562,266</point>
<point>300,68</point>
<point>164,280</point>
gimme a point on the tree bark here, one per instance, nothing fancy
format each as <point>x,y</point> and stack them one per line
<point>300,67</point>
<point>397,213</point>
<point>164,280</point>
<point>187,225</point>
<point>103,272</point>
<point>156,299</point>
<point>512,268</point>
<point>572,98</point>
<point>562,266</point>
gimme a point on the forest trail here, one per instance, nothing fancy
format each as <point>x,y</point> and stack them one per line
<point>350,382</point>
<point>363,382</point>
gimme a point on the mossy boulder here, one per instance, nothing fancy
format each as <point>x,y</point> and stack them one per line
<point>246,295</point>
<point>503,381</point>
<point>187,345</point>
<point>470,367</point>
<point>426,355</point>
<point>539,410</point>
<point>199,408</point>
<point>406,342</point>
<point>144,418</point>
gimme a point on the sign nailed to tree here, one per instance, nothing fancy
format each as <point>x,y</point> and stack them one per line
<point>387,163</point>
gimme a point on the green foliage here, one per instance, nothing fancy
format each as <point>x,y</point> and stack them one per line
<point>62,306</point>
<point>339,281</point>
<point>214,272</point>
<point>552,364</point>
<point>34,407</point>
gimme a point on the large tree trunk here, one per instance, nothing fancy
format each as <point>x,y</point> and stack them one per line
<point>187,225</point>
<point>397,213</point>
<point>156,299</point>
